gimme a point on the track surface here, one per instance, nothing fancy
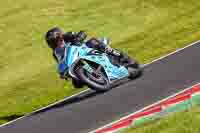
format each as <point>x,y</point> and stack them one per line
<point>90,110</point>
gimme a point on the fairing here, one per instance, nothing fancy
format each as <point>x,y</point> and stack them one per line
<point>74,53</point>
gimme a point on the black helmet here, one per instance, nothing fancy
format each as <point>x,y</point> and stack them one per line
<point>51,37</point>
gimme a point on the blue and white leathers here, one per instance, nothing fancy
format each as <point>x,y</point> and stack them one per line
<point>74,53</point>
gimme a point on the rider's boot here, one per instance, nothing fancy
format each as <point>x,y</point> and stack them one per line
<point>123,58</point>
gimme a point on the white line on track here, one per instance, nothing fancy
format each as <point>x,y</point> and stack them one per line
<point>144,108</point>
<point>178,50</point>
<point>62,100</point>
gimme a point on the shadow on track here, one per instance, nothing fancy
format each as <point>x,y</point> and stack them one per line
<point>78,98</point>
<point>71,100</point>
<point>83,96</point>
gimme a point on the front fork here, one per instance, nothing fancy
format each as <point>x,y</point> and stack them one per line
<point>89,69</point>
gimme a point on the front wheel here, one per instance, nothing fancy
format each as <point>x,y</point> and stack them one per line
<point>96,80</point>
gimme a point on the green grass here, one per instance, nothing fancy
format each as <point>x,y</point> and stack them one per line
<point>144,29</point>
<point>182,122</point>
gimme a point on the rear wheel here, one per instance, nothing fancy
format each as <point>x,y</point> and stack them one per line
<point>96,80</point>
<point>133,67</point>
<point>134,72</point>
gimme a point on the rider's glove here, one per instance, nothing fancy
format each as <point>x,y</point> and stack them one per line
<point>111,51</point>
<point>81,36</point>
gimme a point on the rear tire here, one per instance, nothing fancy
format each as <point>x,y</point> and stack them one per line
<point>134,69</point>
<point>134,73</point>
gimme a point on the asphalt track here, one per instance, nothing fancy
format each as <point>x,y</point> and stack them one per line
<point>90,110</point>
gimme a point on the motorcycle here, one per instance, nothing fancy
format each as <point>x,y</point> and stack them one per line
<point>96,69</point>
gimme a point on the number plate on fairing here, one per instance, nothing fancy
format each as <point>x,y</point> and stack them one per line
<point>88,68</point>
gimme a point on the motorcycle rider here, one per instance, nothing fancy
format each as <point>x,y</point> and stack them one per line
<point>56,40</point>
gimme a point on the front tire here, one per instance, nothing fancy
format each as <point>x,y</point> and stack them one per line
<point>92,81</point>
